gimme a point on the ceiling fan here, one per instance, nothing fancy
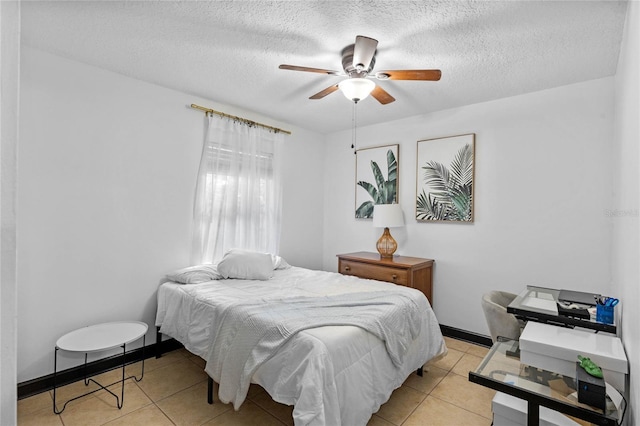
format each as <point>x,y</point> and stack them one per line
<point>358,60</point>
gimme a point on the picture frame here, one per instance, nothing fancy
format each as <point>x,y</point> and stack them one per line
<point>376,178</point>
<point>445,173</point>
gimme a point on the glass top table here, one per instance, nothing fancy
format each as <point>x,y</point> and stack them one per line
<point>502,370</point>
<point>541,304</point>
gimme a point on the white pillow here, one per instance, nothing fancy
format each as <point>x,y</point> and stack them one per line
<point>246,265</point>
<point>195,274</point>
<point>279,263</point>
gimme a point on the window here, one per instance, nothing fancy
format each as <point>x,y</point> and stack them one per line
<point>238,198</point>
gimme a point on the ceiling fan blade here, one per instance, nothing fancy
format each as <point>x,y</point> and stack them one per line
<point>325,92</point>
<point>429,75</point>
<point>308,69</point>
<point>382,96</point>
<point>363,52</point>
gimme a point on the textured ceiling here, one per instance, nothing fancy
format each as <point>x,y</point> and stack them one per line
<point>229,51</point>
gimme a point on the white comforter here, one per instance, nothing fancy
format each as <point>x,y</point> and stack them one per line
<point>333,375</point>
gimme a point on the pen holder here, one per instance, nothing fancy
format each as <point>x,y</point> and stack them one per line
<point>604,314</point>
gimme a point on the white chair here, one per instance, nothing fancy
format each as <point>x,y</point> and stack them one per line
<point>500,322</point>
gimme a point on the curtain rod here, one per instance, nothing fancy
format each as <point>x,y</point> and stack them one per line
<point>234,117</point>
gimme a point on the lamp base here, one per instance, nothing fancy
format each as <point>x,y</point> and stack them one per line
<point>386,245</point>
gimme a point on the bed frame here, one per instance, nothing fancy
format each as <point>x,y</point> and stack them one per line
<point>159,353</point>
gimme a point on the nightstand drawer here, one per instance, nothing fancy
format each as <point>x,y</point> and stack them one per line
<point>375,272</point>
<point>414,272</point>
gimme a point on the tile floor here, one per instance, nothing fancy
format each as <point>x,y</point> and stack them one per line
<point>173,392</point>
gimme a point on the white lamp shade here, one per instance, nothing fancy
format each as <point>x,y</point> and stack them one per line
<point>356,89</point>
<point>387,216</point>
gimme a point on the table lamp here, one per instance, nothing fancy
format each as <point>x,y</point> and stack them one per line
<point>387,216</point>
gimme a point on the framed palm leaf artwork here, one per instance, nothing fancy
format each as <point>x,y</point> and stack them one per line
<point>376,178</point>
<point>444,179</point>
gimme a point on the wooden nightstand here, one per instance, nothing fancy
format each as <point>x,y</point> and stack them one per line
<point>412,272</point>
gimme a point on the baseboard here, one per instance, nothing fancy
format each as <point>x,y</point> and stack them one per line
<point>467,336</point>
<point>64,377</point>
<point>45,383</point>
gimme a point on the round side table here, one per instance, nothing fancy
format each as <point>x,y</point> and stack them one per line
<point>97,338</point>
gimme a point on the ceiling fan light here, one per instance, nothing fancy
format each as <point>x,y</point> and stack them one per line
<point>356,89</point>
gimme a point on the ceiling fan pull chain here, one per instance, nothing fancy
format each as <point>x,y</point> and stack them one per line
<point>354,126</point>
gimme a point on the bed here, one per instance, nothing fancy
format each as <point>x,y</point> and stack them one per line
<point>335,361</point>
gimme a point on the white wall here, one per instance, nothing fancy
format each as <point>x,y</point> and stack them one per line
<point>626,206</point>
<point>107,168</point>
<point>542,184</point>
<point>9,100</point>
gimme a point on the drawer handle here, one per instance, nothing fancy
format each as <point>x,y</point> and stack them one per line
<point>394,276</point>
<point>347,268</point>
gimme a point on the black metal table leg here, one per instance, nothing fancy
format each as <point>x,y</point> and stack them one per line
<point>124,364</point>
<point>84,370</point>
<point>144,342</point>
<point>119,399</point>
<point>55,369</point>
<point>533,414</point>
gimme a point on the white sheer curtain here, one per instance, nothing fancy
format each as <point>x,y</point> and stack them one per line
<point>238,194</point>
